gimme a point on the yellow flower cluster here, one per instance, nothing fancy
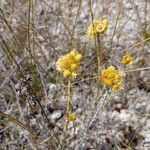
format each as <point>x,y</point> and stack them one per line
<point>127,59</point>
<point>68,64</point>
<point>112,78</point>
<point>71,117</point>
<point>97,27</point>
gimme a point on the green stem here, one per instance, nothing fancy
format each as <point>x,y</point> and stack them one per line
<point>69,96</point>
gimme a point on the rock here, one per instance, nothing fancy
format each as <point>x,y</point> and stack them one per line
<point>148,109</point>
<point>140,109</point>
<point>124,116</point>
<point>56,115</point>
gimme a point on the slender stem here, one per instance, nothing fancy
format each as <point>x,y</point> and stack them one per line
<point>100,94</point>
<point>138,69</point>
<point>68,103</point>
<point>114,31</point>
<point>131,47</point>
<point>69,96</point>
<point>99,110</point>
<point>145,14</point>
<point>98,51</point>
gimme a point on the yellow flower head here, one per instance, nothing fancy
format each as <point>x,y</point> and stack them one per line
<point>112,78</point>
<point>68,64</point>
<point>97,27</point>
<point>78,57</point>
<point>71,117</point>
<point>127,59</point>
<point>66,73</point>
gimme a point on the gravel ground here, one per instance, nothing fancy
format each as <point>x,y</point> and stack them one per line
<point>119,121</point>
